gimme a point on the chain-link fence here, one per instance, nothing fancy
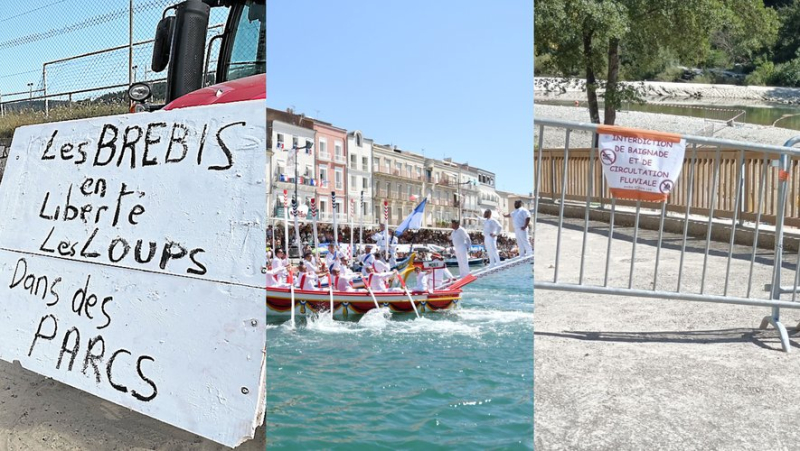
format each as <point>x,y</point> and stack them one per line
<point>59,53</point>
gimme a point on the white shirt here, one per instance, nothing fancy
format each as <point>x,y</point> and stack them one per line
<point>343,282</point>
<point>279,263</point>
<point>491,226</point>
<point>460,239</point>
<point>377,280</point>
<point>440,276</point>
<point>519,216</point>
<point>367,260</point>
<point>310,264</point>
<point>308,281</point>
<point>380,239</point>
<point>332,259</point>
<point>422,281</point>
<point>381,266</point>
<point>272,281</point>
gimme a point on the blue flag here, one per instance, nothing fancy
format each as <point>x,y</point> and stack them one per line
<point>414,220</point>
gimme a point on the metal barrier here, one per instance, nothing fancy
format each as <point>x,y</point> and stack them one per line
<point>683,246</point>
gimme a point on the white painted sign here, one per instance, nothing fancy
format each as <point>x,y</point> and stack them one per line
<point>130,262</point>
<point>640,164</point>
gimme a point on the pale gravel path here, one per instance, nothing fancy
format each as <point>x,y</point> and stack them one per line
<point>654,121</point>
<point>615,373</point>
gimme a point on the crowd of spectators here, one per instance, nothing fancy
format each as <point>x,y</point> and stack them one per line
<point>438,237</point>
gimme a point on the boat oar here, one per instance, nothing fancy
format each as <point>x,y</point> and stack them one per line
<point>410,299</point>
<point>330,289</point>
<point>291,289</point>
<point>369,290</point>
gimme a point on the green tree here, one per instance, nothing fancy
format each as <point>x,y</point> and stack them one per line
<point>592,37</point>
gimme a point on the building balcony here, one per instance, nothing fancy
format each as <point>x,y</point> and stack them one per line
<point>323,156</point>
<point>340,185</point>
<point>340,159</point>
<point>382,193</point>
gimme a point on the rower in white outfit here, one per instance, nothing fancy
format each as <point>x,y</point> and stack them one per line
<point>367,260</point>
<point>491,229</point>
<point>378,281</point>
<point>343,282</point>
<point>333,257</point>
<point>440,275</point>
<point>520,219</point>
<point>461,245</point>
<point>278,262</point>
<point>422,280</point>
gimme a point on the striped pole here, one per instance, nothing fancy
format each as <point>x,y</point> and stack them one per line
<point>361,221</point>
<point>286,247</point>
<point>386,229</point>
<point>286,222</point>
<point>352,206</point>
<point>335,229</point>
<point>296,226</point>
<point>314,219</point>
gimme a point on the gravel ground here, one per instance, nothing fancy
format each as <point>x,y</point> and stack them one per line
<point>617,373</point>
<point>37,413</point>
<point>654,121</point>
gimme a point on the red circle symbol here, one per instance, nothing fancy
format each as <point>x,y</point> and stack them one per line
<point>608,157</point>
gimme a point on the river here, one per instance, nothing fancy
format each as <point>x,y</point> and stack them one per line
<point>457,380</point>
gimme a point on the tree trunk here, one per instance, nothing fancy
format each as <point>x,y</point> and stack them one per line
<point>612,83</point>
<point>591,81</point>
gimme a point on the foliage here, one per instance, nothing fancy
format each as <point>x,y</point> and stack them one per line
<point>630,38</point>
<point>763,73</point>
<point>786,74</point>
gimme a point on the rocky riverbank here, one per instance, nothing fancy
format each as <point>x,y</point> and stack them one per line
<point>575,89</point>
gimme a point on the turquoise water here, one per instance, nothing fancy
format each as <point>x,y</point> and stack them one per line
<point>456,380</point>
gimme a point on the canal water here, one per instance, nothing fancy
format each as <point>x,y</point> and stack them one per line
<point>788,116</point>
<point>456,380</point>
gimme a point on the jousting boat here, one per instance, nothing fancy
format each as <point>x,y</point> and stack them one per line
<point>347,303</point>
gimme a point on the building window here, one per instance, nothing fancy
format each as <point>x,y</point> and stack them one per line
<point>339,179</point>
<point>323,173</point>
<point>353,160</point>
<point>358,139</point>
<point>279,139</point>
<point>323,147</point>
<point>352,182</point>
<point>364,184</point>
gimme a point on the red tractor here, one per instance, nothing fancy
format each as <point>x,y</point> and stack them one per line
<point>180,47</point>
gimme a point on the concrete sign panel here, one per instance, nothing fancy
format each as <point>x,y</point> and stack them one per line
<point>131,250</point>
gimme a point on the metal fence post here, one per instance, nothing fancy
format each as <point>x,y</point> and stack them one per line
<point>44,86</point>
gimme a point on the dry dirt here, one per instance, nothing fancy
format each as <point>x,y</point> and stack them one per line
<point>37,413</point>
<point>618,373</point>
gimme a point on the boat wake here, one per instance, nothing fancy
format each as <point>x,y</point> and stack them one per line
<point>464,321</point>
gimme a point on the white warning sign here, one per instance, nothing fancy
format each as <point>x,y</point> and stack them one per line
<point>640,164</point>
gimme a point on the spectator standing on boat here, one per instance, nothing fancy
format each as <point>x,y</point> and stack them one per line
<point>521,218</point>
<point>461,245</point>
<point>491,229</point>
<point>387,243</point>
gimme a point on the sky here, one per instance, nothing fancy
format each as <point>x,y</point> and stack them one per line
<point>445,78</point>
<point>33,32</point>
